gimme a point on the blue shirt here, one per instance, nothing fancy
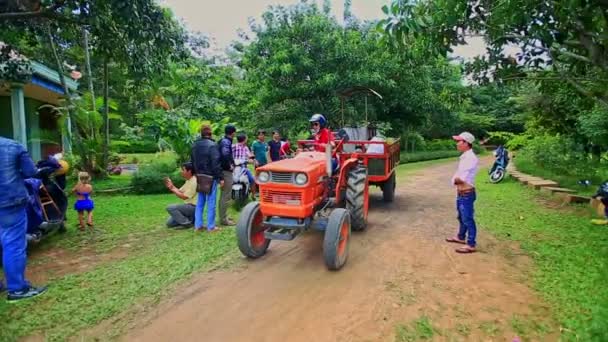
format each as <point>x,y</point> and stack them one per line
<point>275,150</point>
<point>15,166</point>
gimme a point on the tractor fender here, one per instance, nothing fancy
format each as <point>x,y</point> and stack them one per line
<point>344,169</point>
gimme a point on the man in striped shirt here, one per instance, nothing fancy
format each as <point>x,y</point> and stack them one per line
<point>240,152</point>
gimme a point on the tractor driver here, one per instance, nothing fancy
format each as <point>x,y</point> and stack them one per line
<point>322,135</point>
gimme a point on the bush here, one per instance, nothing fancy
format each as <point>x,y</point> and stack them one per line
<point>144,146</point>
<point>149,178</point>
<point>518,142</point>
<point>427,155</point>
<point>440,145</point>
<point>559,154</point>
<point>499,138</point>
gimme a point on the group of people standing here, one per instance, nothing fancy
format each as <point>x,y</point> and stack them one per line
<point>218,160</point>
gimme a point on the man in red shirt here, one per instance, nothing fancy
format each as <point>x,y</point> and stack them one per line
<point>322,135</point>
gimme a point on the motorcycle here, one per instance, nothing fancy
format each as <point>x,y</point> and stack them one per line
<point>499,169</point>
<point>241,188</point>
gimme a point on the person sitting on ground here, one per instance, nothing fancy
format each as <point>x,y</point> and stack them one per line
<point>182,215</point>
<point>240,151</point>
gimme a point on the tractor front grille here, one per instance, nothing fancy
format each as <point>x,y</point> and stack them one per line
<point>282,197</point>
<point>282,177</point>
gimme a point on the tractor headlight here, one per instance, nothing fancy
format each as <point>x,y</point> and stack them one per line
<point>263,177</point>
<point>301,179</point>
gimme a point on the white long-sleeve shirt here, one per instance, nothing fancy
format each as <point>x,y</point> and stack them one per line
<point>467,168</point>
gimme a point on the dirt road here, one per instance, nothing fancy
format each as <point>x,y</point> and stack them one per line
<point>400,277</point>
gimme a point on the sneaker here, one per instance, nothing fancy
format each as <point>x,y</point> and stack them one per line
<point>183,226</point>
<point>28,293</point>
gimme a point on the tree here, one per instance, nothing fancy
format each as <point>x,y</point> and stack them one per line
<point>139,36</point>
<point>302,58</point>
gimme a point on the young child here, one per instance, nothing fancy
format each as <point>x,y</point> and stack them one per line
<point>83,190</point>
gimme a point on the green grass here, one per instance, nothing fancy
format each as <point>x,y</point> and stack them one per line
<point>110,183</point>
<point>153,260</point>
<point>570,255</point>
<point>567,181</point>
<point>420,329</point>
<point>413,157</point>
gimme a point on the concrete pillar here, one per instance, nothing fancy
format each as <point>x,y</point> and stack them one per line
<point>33,124</point>
<point>18,111</point>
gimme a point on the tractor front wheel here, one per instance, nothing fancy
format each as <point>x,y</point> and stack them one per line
<point>250,231</point>
<point>356,193</point>
<point>337,239</point>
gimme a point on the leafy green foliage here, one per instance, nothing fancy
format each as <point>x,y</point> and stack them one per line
<point>143,146</point>
<point>149,179</point>
<point>500,138</point>
<point>177,132</point>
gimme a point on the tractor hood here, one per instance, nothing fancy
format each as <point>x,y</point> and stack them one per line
<point>303,162</point>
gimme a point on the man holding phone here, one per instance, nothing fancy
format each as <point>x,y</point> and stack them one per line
<point>182,215</point>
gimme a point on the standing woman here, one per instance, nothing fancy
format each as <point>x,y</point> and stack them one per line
<point>206,160</point>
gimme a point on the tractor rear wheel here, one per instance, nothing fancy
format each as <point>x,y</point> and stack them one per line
<point>388,188</point>
<point>356,202</point>
<point>337,239</point>
<point>250,232</point>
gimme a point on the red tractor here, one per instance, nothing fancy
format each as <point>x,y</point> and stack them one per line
<point>328,192</point>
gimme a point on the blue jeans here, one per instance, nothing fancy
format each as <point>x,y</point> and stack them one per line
<point>466,212</point>
<point>13,227</point>
<point>211,200</point>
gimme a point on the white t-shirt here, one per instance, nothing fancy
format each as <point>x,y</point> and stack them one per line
<point>467,168</point>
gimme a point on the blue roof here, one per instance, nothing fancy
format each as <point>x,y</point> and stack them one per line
<point>49,78</point>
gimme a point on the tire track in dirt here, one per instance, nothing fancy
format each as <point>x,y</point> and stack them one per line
<point>398,271</point>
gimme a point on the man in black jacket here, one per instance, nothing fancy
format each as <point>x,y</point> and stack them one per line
<point>206,160</point>
<point>227,162</point>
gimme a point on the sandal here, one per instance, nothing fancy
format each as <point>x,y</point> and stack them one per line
<point>466,250</point>
<point>455,240</point>
<point>216,229</point>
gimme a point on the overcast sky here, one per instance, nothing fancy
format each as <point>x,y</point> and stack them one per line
<point>220,19</point>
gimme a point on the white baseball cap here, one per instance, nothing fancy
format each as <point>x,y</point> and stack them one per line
<point>464,136</point>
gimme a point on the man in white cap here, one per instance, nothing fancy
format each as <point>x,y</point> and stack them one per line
<point>464,181</point>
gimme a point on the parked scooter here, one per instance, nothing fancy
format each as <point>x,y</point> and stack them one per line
<point>241,188</point>
<point>499,169</point>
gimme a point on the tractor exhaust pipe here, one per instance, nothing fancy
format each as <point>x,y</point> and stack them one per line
<point>328,166</point>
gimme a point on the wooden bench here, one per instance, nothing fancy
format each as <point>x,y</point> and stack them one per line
<point>572,198</point>
<point>554,190</point>
<point>542,183</point>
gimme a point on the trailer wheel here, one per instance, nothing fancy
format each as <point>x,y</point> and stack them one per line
<point>250,232</point>
<point>356,201</point>
<point>388,189</point>
<point>337,239</point>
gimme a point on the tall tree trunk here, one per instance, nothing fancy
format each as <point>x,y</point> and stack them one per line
<point>67,95</point>
<point>106,119</point>
<point>87,58</point>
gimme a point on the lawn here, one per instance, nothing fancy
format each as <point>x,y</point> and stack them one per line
<point>570,255</point>
<point>150,260</point>
<point>565,180</point>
